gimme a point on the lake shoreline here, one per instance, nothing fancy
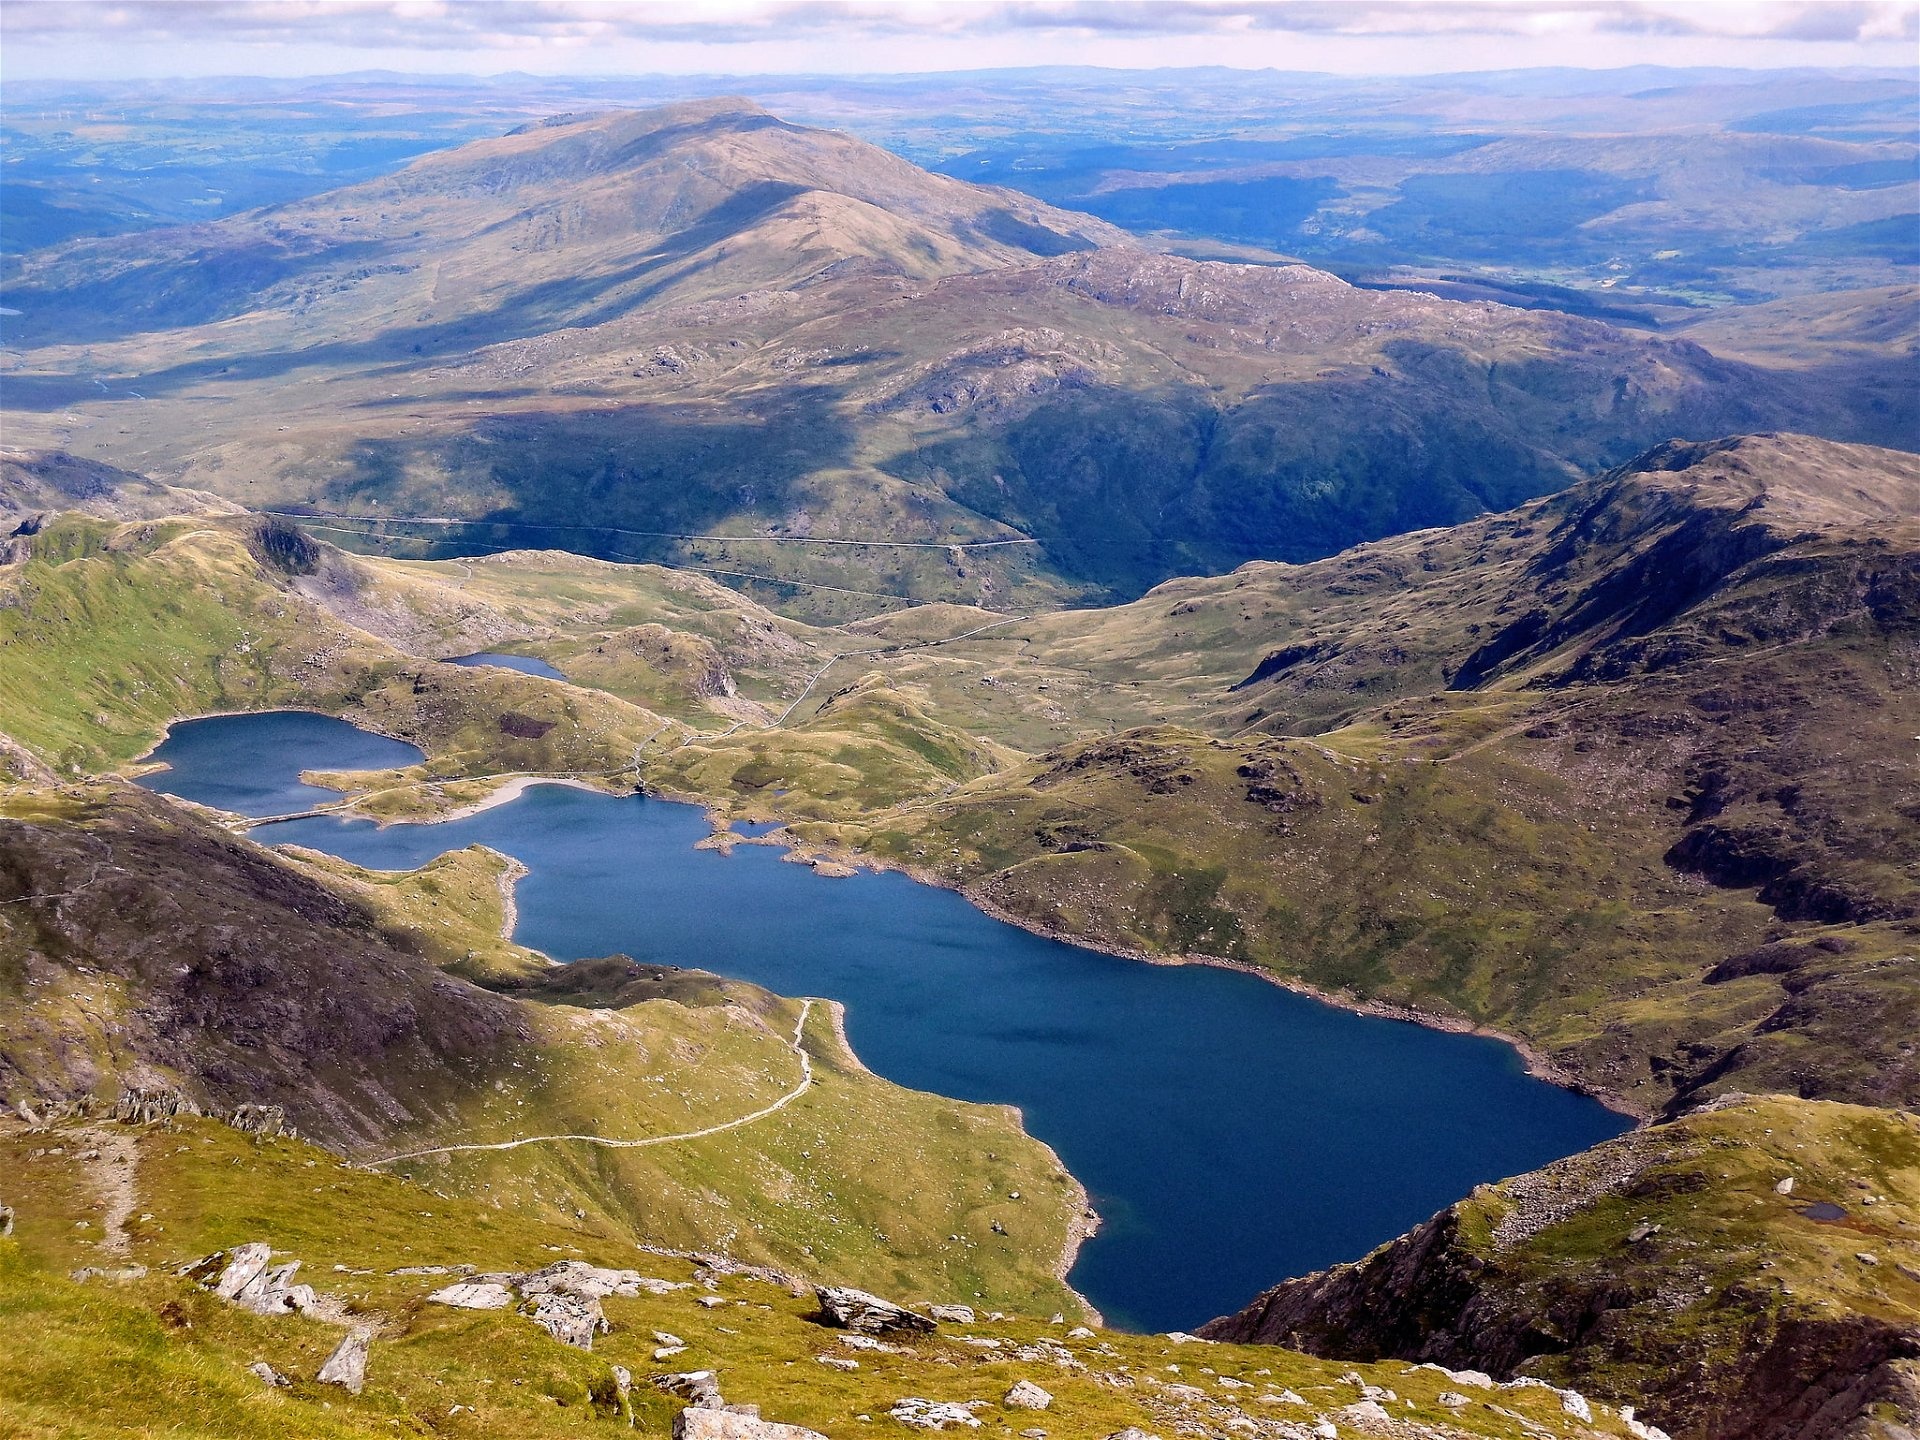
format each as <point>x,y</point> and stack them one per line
<point>1537,1063</point>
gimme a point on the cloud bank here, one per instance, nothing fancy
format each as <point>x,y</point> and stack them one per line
<point>909,34</point>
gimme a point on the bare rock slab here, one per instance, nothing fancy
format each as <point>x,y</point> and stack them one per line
<point>695,1423</point>
<point>870,1315</point>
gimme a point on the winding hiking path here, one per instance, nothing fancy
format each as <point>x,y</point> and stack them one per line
<point>806,1084</point>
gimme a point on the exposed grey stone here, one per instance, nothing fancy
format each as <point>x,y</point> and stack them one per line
<point>953,1314</point>
<point>268,1375</point>
<point>474,1295</point>
<point>245,1264</point>
<point>857,1310</point>
<point>576,1277</point>
<point>695,1423</point>
<point>6,1220</point>
<point>570,1319</point>
<point>347,1365</point>
<point>699,1388</point>
<point>1025,1395</point>
<point>933,1414</point>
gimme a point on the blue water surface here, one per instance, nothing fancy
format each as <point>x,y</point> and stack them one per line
<point>1232,1134</point>
<point>525,664</point>
<point>251,764</point>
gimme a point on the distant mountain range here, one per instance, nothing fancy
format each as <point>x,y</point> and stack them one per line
<point>703,321</point>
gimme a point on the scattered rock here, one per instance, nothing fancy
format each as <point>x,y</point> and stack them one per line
<point>954,1314</point>
<point>1785,1187</point>
<point>347,1365</point>
<point>1365,1410</point>
<point>1132,1433</point>
<point>115,1272</point>
<point>472,1295</point>
<point>709,1302</point>
<point>571,1319</point>
<point>867,1342</point>
<point>267,1375</point>
<point>698,1423</point>
<point>869,1314</point>
<point>1575,1404</point>
<point>1080,1332</point>
<point>934,1414</point>
<point>1453,1399</point>
<point>6,1220</point>
<point>590,1282</point>
<point>1285,1397</point>
<point>1181,1337</point>
<point>1025,1395</point>
<point>837,1362</point>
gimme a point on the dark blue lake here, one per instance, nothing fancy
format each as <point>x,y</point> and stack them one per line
<point>525,664</point>
<point>1232,1133</point>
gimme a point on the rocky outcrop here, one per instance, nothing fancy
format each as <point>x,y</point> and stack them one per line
<point>571,1319</point>
<point>247,1277</point>
<point>1618,1263</point>
<point>849,1309</point>
<point>695,1423</point>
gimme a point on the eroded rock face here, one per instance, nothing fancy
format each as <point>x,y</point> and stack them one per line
<point>869,1314</point>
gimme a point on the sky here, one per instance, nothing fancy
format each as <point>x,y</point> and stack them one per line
<point>125,39</point>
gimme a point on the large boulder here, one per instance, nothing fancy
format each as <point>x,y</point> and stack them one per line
<point>869,1314</point>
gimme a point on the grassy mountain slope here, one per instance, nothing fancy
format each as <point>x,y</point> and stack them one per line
<point>114,631</point>
<point>1620,771</point>
<point>150,950</point>
<point>1667,1266</point>
<point>551,225</point>
<point>154,1354</point>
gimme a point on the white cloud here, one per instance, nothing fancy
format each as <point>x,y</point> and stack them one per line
<point>314,36</point>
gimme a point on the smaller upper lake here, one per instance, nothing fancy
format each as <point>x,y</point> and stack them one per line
<point>253,767</point>
<point>525,664</point>
<point>1231,1132</point>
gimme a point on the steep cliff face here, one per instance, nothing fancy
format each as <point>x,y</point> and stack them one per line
<point>1750,1272</point>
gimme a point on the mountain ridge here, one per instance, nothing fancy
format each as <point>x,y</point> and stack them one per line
<point>557,328</point>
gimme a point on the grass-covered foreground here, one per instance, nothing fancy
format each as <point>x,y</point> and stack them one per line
<point>154,1355</point>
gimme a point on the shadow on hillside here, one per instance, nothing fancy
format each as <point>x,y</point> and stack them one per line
<point>538,309</point>
<point>565,480</point>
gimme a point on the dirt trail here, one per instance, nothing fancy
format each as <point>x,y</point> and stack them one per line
<point>111,1172</point>
<point>806,1084</point>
